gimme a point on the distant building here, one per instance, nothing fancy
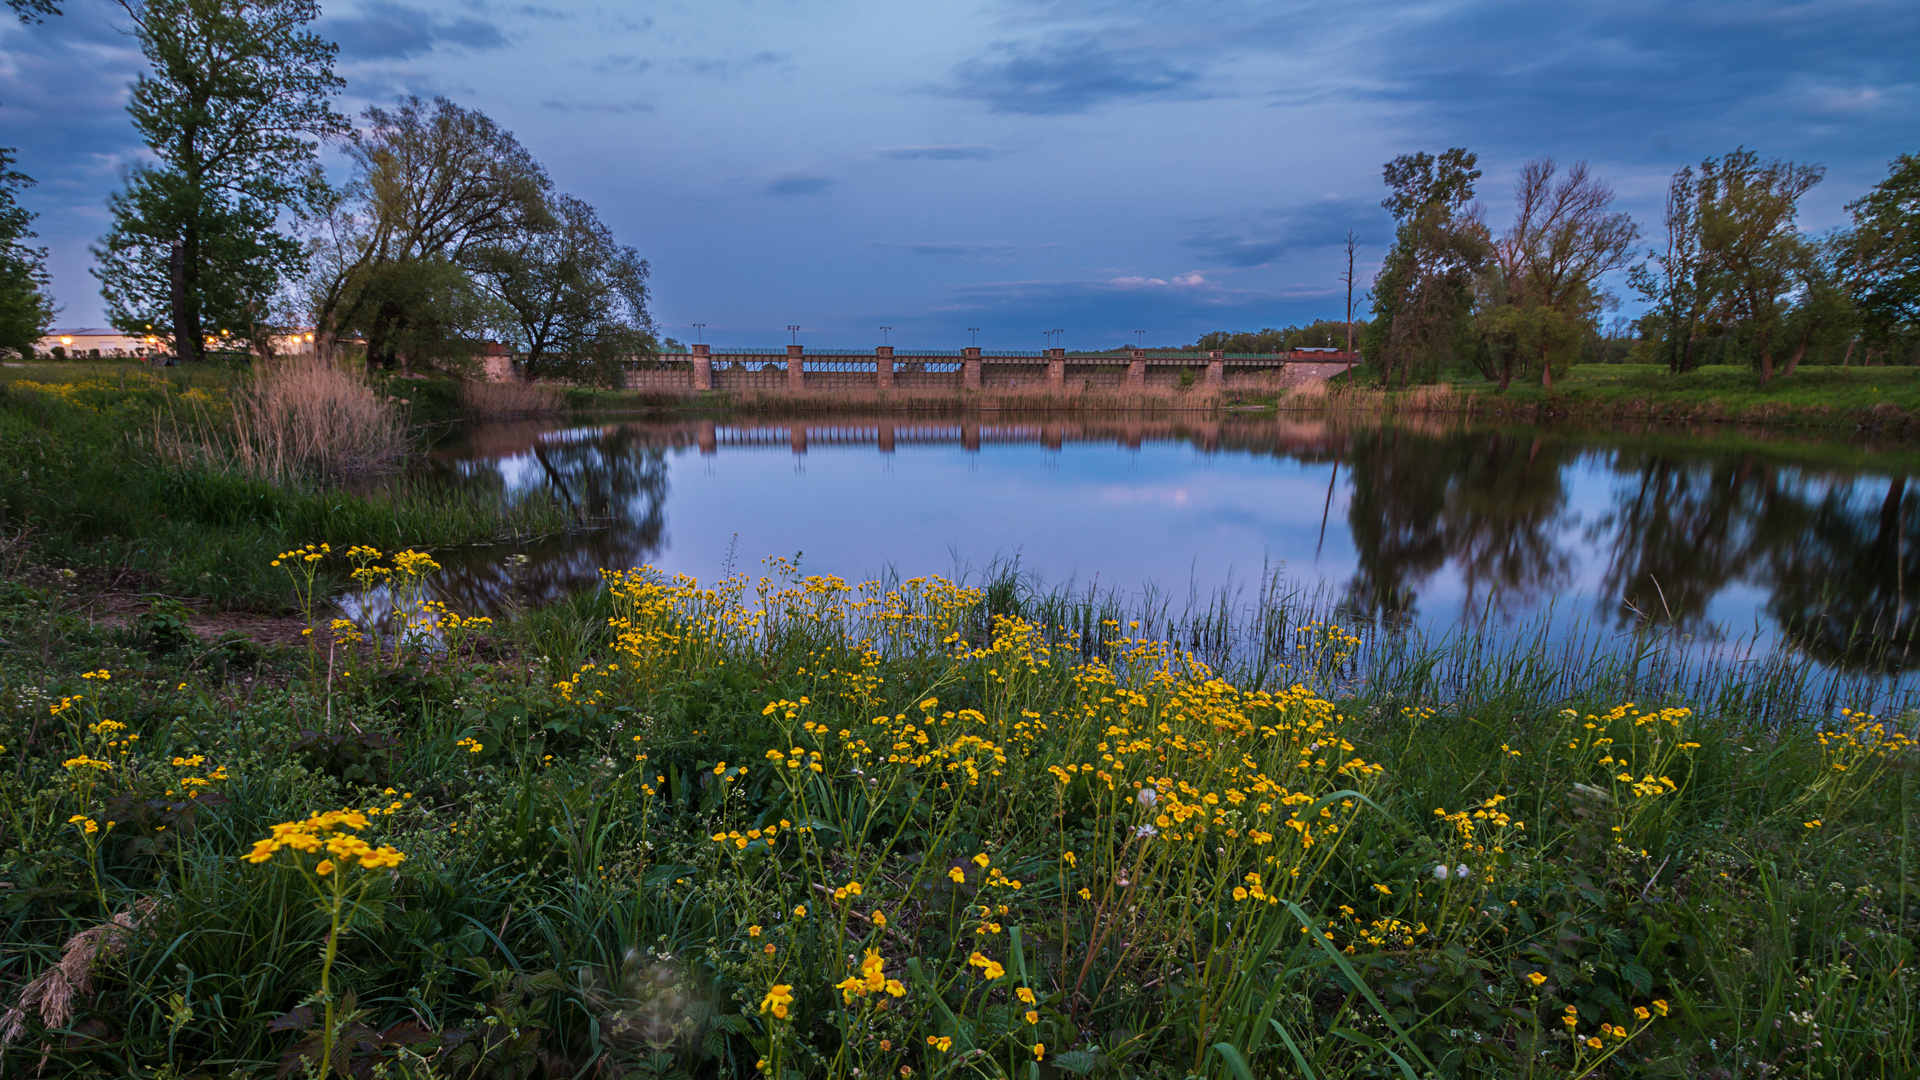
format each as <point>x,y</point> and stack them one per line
<point>96,341</point>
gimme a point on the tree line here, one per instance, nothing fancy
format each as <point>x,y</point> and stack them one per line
<point>1731,277</point>
<point>447,233</point>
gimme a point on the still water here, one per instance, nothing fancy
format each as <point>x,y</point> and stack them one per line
<point>1727,536</point>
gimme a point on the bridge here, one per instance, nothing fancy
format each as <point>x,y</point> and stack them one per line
<point>1052,371</point>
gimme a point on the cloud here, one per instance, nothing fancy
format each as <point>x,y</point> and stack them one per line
<point>954,152</point>
<point>385,30</point>
<point>617,108</point>
<point>1069,74</point>
<point>792,184</point>
<point>728,67</point>
<point>966,250</point>
<point>1259,239</point>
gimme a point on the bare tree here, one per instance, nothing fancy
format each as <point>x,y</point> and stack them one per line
<point>1353,245</point>
<point>1564,238</point>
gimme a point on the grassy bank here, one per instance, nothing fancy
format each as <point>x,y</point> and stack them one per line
<point>1879,399</point>
<point>784,828</point>
<point>85,484</point>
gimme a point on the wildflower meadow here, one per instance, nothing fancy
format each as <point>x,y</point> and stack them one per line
<point>781,825</point>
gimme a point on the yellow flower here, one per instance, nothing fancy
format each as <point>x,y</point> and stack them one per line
<point>1660,1007</point>
<point>1024,994</point>
<point>779,996</point>
<point>1640,1012</point>
<point>1383,890</point>
<point>981,861</point>
<point>958,875</point>
<point>753,931</point>
<point>1239,893</point>
<point>1086,894</point>
<point>325,867</point>
<point>1032,1017</point>
<point>1039,1051</point>
<point>1536,978</point>
<point>880,920</point>
<point>941,1043</point>
<point>800,911</point>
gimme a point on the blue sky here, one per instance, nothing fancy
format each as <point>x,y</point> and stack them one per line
<point>1022,165</point>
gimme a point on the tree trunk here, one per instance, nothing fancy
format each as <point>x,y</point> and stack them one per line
<point>1546,372</point>
<point>1766,362</point>
<point>1851,342</point>
<point>186,346</point>
<point>1794,360</point>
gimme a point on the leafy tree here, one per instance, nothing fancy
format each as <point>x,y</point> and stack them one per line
<point>1424,292</point>
<point>1749,245</point>
<point>1541,291</point>
<point>434,191</point>
<point>33,11</point>
<point>25,308</point>
<point>1676,291</point>
<point>1887,237</point>
<point>578,299</point>
<point>1824,314</point>
<point>237,101</point>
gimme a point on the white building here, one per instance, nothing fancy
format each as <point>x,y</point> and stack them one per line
<point>97,341</point>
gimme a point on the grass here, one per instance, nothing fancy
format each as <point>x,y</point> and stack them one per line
<point>86,482</point>
<point>783,827</point>
<point>673,830</point>
<point>1821,396</point>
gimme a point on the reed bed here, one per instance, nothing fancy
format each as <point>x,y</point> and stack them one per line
<point>482,400</point>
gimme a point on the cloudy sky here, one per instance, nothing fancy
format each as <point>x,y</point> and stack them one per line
<point>1172,166</point>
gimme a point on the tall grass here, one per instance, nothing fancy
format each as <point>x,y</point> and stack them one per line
<point>485,400</point>
<point>296,420</point>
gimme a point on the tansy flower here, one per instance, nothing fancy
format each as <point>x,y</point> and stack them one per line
<point>1032,1017</point>
<point>1024,994</point>
<point>941,1043</point>
<point>1536,978</point>
<point>753,931</point>
<point>1039,1051</point>
<point>958,875</point>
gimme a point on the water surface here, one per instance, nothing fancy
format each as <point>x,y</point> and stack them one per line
<point>1724,535</point>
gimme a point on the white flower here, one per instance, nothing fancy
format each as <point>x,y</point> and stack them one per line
<point>1145,830</point>
<point>1440,872</point>
<point>1462,872</point>
<point>1148,797</point>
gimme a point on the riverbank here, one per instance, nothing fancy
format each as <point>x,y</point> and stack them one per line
<point>932,830</point>
<point>1883,400</point>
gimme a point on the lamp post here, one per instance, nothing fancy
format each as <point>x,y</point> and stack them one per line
<point>974,338</point>
<point>1139,339</point>
<point>794,329</point>
<point>884,331</point>
<point>700,332</point>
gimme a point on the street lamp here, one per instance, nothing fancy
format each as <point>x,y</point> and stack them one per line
<point>975,338</point>
<point>884,331</point>
<point>1139,339</point>
<point>700,332</point>
<point>794,329</point>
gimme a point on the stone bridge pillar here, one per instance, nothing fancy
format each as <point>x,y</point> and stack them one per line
<point>1056,370</point>
<point>1216,370</point>
<point>702,367</point>
<point>1136,370</point>
<point>970,368</point>
<point>796,378</point>
<point>883,366</point>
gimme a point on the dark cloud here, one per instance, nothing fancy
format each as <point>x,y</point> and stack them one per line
<point>1259,239</point>
<point>941,153</point>
<point>798,184</point>
<point>1068,74</point>
<point>727,67</point>
<point>966,250</point>
<point>1173,310</point>
<point>617,108</point>
<point>383,30</point>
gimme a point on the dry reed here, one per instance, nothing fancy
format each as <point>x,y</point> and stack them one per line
<point>299,419</point>
<point>495,400</point>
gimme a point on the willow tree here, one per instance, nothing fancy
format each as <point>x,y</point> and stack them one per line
<point>235,105</point>
<point>1424,296</point>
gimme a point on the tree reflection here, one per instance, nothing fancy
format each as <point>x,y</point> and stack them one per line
<point>1491,502</point>
<point>1843,587</point>
<point>613,479</point>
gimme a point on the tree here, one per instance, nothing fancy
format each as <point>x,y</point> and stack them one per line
<point>434,190</point>
<point>1749,244</point>
<point>1677,292</point>
<point>1425,287</point>
<point>1887,242</point>
<point>33,11</point>
<point>25,308</point>
<point>235,107</point>
<point>1548,268</point>
<point>578,299</point>
<point>1823,314</point>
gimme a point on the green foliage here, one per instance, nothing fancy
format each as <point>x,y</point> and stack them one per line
<point>1887,224</point>
<point>1424,293</point>
<point>26,308</point>
<point>234,106</point>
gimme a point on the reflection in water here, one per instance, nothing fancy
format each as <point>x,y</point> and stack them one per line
<point>1444,523</point>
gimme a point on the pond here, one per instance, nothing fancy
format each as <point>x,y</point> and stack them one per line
<point>1727,536</point>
